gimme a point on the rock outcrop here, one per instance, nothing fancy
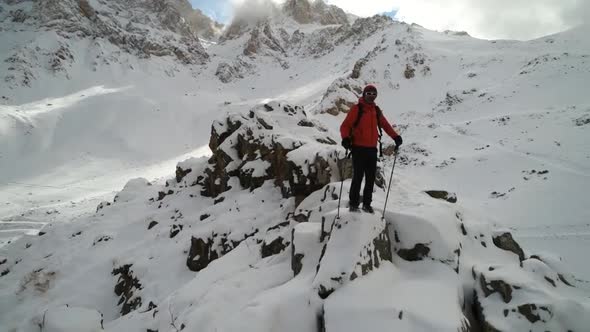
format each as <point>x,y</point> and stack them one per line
<point>274,142</point>
<point>509,298</point>
<point>306,12</point>
<point>345,258</point>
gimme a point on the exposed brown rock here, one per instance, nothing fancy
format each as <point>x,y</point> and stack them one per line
<point>506,242</point>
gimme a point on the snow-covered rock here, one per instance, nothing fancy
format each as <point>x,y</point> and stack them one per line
<point>71,319</point>
<point>355,247</point>
<point>275,141</point>
<point>534,297</point>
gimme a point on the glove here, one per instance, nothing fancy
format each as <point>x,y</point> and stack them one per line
<point>398,141</point>
<point>346,143</point>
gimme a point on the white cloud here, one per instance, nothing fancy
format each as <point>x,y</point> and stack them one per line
<point>509,19</point>
<point>365,8</point>
<point>252,10</point>
<point>513,19</point>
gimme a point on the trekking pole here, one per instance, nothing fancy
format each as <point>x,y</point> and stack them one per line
<point>390,178</point>
<point>341,182</point>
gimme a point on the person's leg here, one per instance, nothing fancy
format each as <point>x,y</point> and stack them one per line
<point>357,177</point>
<point>370,163</point>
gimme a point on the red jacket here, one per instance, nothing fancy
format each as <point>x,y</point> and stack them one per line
<point>366,132</point>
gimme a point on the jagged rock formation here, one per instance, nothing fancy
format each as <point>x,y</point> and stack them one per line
<point>409,60</point>
<point>341,96</point>
<point>305,12</point>
<point>270,39</point>
<point>343,260</point>
<point>262,146</point>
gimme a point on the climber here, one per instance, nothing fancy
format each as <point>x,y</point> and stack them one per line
<point>360,131</point>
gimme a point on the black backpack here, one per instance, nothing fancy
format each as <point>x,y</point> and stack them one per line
<point>358,120</point>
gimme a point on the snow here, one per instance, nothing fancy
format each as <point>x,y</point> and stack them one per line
<point>493,122</point>
<point>394,299</point>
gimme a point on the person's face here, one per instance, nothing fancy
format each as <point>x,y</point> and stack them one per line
<point>370,96</point>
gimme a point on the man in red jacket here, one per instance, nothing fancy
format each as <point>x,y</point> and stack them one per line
<point>360,133</point>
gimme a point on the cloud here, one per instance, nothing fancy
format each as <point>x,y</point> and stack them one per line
<point>492,19</point>
<point>365,8</point>
<point>513,19</point>
<point>578,14</point>
<point>253,10</point>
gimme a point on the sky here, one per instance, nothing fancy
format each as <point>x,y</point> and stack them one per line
<point>489,19</point>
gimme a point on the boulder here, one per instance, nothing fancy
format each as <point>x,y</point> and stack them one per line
<point>260,147</point>
<point>66,318</point>
<point>510,298</point>
<point>444,195</point>
<point>506,242</point>
<point>357,244</point>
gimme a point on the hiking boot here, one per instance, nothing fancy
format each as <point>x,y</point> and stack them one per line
<point>368,208</point>
<point>353,208</point>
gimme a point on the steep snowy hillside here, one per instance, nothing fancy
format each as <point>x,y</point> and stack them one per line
<point>245,235</point>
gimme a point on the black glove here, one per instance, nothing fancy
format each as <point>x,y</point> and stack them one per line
<point>398,141</point>
<point>346,143</point>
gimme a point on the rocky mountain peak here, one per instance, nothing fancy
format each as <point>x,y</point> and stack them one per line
<point>300,10</point>
<point>305,12</point>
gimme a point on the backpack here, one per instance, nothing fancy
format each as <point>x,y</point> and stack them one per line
<point>379,115</point>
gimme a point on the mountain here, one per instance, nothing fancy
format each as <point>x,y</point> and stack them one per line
<point>235,217</point>
<point>204,26</point>
<point>201,24</point>
<point>140,28</point>
<point>305,12</point>
<point>291,13</point>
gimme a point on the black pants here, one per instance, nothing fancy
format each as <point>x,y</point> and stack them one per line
<point>364,163</point>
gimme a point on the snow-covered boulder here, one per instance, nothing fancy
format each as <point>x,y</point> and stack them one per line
<point>534,297</point>
<point>228,72</point>
<point>71,319</point>
<point>134,189</point>
<point>340,96</point>
<point>357,245</point>
<point>263,40</point>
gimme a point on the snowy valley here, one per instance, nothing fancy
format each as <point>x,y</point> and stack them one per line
<point>160,173</point>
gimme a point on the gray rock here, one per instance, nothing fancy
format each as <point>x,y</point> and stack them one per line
<point>444,195</point>
<point>506,242</point>
<point>127,288</point>
<point>419,252</point>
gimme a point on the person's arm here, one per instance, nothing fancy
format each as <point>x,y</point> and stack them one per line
<point>346,126</point>
<point>388,128</point>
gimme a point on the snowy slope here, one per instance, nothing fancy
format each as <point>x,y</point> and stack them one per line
<point>197,251</point>
<point>502,124</point>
